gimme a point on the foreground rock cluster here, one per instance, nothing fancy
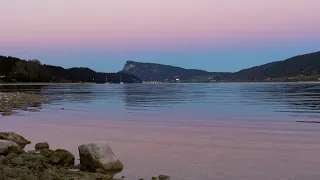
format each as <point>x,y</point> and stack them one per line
<point>17,100</point>
<point>97,161</point>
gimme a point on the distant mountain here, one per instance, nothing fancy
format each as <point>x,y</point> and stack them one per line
<point>17,70</point>
<point>304,65</point>
<point>300,68</point>
<point>159,72</point>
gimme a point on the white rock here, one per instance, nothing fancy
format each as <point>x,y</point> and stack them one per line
<point>99,157</point>
<point>12,136</point>
<point>7,147</point>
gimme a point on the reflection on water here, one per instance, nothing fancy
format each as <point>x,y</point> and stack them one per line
<point>226,131</point>
<point>300,97</point>
<point>197,100</point>
<point>163,95</point>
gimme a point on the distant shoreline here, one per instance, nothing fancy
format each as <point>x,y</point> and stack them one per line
<point>91,83</point>
<point>40,83</point>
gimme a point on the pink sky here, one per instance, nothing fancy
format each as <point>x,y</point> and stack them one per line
<point>214,35</point>
<point>122,23</point>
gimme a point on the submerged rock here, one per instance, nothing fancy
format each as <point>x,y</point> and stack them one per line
<point>62,157</point>
<point>7,113</point>
<point>12,136</point>
<point>16,100</point>
<point>7,147</point>
<point>99,157</point>
<point>164,177</point>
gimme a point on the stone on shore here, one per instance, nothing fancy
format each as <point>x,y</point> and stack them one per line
<point>46,152</point>
<point>10,101</point>
<point>99,157</point>
<point>62,157</point>
<point>97,162</point>
<point>164,177</point>
<point>11,136</point>
<point>17,161</point>
<point>41,146</point>
<point>7,147</point>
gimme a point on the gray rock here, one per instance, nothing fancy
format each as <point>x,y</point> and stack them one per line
<point>17,161</point>
<point>46,152</point>
<point>3,160</point>
<point>28,177</point>
<point>12,136</point>
<point>7,147</point>
<point>8,172</point>
<point>49,175</point>
<point>42,145</point>
<point>62,157</point>
<point>99,157</point>
<point>12,155</point>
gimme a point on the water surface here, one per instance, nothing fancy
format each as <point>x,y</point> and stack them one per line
<point>190,131</point>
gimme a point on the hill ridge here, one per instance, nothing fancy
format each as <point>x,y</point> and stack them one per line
<point>283,70</point>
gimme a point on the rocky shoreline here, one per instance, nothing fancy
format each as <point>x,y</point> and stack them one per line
<point>10,101</point>
<point>97,161</point>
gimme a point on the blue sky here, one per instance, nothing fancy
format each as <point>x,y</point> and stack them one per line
<point>219,60</point>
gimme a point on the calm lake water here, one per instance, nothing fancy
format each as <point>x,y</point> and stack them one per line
<point>227,131</point>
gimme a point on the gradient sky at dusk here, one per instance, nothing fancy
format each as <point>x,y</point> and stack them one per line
<point>215,35</point>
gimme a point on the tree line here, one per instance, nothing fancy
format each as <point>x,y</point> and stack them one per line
<point>17,70</point>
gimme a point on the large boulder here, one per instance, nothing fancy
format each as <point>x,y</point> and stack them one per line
<point>62,157</point>
<point>99,157</point>
<point>7,147</point>
<point>12,136</point>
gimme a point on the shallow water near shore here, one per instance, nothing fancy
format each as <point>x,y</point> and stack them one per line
<point>227,131</point>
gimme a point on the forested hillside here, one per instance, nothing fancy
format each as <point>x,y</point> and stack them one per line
<point>16,70</point>
<point>160,72</point>
<point>300,68</point>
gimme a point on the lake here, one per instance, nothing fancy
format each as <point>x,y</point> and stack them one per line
<point>223,131</point>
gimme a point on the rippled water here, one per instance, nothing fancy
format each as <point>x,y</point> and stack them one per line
<point>188,101</point>
<point>190,131</point>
